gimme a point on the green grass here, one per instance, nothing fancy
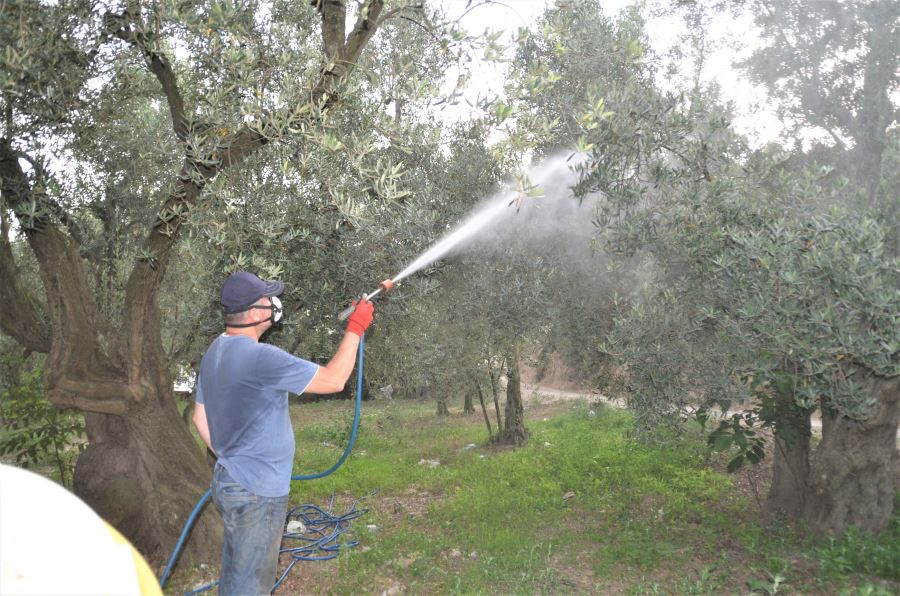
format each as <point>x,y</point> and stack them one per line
<point>857,554</point>
<point>581,508</point>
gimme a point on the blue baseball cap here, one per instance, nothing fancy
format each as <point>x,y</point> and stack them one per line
<point>242,289</point>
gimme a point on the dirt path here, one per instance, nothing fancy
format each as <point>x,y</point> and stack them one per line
<point>538,394</point>
<point>542,394</point>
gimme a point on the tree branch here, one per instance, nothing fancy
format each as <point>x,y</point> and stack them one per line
<point>119,26</point>
<point>414,22</point>
<point>54,207</point>
<point>334,18</point>
<point>65,399</point>
<point>248,141</point>
<point>20,317</point>
<point>71,312</point>
<point>365,28</point>
<point>142,314</point>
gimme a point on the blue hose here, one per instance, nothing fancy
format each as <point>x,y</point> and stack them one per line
<point>183,537</point>
<point>339,523</point>
<point>359,380</point>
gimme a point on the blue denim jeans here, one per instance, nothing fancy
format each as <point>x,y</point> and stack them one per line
<point>254,526</point>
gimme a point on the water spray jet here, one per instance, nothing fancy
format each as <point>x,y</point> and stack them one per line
<point>472,226</point>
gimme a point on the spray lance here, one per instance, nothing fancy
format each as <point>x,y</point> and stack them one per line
<point>384,286</point>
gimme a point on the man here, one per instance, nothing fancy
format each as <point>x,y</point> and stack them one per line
<point>242,415</point>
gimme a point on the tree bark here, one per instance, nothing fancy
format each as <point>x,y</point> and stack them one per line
<point>487,420</point>
<point>146,491</point>
<point>514,431</point>
<point>468,403</point>
<point>495,390</point>
<point>442,409</point>
<point>850,479</point>
<point>853,472</point>
<point>788,494</point>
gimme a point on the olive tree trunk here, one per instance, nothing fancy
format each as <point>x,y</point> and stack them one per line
<point>144,490</point>
<point>514,431</point>
<point>487,420</point>
<point>495,393</point>
<point>468,403</point>
<point>850,478</point>
<point>788,494</point>
<point>853,472</point>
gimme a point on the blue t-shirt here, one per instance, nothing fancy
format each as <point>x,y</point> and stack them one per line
<point>244,387</point>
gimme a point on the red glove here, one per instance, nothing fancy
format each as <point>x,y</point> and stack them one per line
<point>361,318</point>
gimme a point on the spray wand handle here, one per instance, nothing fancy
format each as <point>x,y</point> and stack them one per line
<point>346,312</point>
<point>383,286</point>
<point>350,309</point>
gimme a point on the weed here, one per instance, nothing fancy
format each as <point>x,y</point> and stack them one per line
<point>858,553</point>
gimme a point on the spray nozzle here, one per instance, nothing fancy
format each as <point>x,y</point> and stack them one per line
<point>384,286</point>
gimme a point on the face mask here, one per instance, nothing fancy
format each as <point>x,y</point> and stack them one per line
<point>276,316</point>
<point>277,309</point>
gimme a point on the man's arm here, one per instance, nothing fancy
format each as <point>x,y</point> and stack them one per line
<point>202,425</point>
<point>332,377</point>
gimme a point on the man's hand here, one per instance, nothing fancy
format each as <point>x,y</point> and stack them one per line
<point>361,318</point>
<point>332,377</point>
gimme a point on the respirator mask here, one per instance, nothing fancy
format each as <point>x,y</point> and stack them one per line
<point>277,310</point>
<point>276,316</point>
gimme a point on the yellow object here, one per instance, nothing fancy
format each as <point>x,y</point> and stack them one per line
<point>147,581</point>
<point>52,543</point>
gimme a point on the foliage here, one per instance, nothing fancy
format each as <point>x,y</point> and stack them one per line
<point>566,74</point>
<point>566,68</point>
<point>749,295</point>
<point>850,68</point>
<point>801,306</point>
<point>32,430</point>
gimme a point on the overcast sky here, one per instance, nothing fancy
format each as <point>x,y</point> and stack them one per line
<point>755,116</point>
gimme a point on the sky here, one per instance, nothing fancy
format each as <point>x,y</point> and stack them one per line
<point>755,114</point>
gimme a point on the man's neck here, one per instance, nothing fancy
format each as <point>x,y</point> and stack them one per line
<point>251,332</point>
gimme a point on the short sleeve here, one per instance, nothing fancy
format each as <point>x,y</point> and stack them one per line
<point>282,371</point>
<point>198,394</point>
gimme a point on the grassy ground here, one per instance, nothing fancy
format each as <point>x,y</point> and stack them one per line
<point>580,509</point>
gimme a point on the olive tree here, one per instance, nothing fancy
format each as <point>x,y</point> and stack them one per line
<point>753,293</point>
<point>834,66</point>
<point>121,123</point>
<point>761,299</point>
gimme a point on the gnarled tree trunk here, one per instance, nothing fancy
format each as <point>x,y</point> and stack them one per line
<point>514,431</point>
<point>850,478</point>
<point>853,472</point>
<point>143,473</point>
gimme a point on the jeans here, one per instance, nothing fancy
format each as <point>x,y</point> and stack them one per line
<point>253,529</point>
